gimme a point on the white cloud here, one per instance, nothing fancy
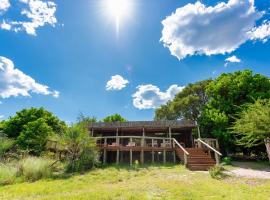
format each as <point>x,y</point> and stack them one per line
<point>117,82</point>
<point>4,5</point>
<point>261,33</point>
<point>233,59</point>
<point>2,116</point>
<point>150,96</point>
<point>37,13</point>
<point>14,82</point>
<point>197,29</point>
<point>5,26</point>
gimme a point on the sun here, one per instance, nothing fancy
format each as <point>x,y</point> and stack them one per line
<point>118,10</point>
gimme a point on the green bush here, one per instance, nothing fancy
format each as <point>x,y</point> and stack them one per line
<point>33,168</point>
<point>7,174</point>
<point>5,145</point>
<point>227,160</point>
<point>216,172</point>
<point>34,136</point>
<point>81,153</point>
<point>136,164</point>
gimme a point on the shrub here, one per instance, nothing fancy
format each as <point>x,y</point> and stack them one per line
<point>227,160</point>
<point>216,172</point>
<point>33,168</point>
<point>34,136</point>
<point>136,164</point>
<point>81,153</point>
<point>7,174</point>
<point>5,145</point>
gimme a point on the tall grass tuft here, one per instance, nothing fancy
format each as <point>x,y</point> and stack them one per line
<point>7,174</point>
<point>33,168</point>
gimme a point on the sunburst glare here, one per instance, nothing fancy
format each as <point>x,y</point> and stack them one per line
<point>118,11</point>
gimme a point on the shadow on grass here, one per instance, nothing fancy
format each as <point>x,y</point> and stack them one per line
<point>64,175</point>
<point>144,166</point>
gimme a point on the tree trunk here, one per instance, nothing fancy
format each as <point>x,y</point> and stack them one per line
<point>267,145</point>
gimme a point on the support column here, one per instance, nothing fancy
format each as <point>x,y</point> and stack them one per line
<point>174,156</point>
<point>142,147</point>
<point>117,144</point>
<point>164,152</point>
<point>130,153</point>
<point>170,136</point>
<point>92,132</point>
<point>153,155</point>
<point>105,151</point>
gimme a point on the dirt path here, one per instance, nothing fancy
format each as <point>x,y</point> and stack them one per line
<point>246,170</point>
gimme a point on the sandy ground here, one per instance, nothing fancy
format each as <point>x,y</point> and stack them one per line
<point>250,173</point>
<point>245,170</point>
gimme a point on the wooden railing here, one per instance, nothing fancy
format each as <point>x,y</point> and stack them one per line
<point>104,140</point>
<point>203,144</point>
<point>182,148</point>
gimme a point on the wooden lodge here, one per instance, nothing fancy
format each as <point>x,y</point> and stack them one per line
<point>154,141</point>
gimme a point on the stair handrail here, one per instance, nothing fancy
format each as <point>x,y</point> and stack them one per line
<point>217,153</point>
<point>183,149</point>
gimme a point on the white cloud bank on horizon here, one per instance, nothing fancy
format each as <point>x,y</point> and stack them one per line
<point>33,13</point>
<point>116,82</point>
<point>196,29</point>
<point>149,96</point>
<point>14,82</point>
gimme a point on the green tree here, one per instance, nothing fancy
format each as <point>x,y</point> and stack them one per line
<point>34,136</point>
<point>13,126</point>
<point>252,127</point>
<point>85,120</point>
<point>226,95</point>
<point>114,118</point>
<point>187,104</point>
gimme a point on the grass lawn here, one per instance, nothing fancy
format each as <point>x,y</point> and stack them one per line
<point>157,182</point>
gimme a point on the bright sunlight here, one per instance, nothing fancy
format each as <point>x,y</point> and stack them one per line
<point>118,11</point>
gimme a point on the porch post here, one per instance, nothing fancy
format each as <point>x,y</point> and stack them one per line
<point>170,135</point>
<point>174,157</point>
<point>142,147</point>
<point>117,144</point>
<point>130,153</point>
<point>92,132</point>
<point>153,155</point>
<point>164,152</point>
<point>105,151</point>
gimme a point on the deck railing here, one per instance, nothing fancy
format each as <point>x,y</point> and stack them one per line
<point>165,142</point>
<point>183,149</point>
<point>203,144</point>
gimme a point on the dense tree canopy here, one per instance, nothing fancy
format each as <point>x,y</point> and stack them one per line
<point>215,103</point>
<point>34,136</point>
<point>13,126</point>
<point>226,95</point>
<point>114,118</point>
<point>252,126</point>
<point>187,104</point>
<point>31,128</point>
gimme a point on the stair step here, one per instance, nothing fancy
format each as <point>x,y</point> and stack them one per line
<point>198,159</point>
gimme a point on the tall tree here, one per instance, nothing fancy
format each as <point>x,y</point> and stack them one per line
<point>13,126</point>
<point>252,127</point>
<point>114,118</point>
<point>187,104</point>
<point>226,94</point>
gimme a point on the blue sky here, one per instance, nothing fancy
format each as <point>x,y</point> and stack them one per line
<point>63,58</point>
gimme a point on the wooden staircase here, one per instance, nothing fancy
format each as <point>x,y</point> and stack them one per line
<point>197,158</point>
